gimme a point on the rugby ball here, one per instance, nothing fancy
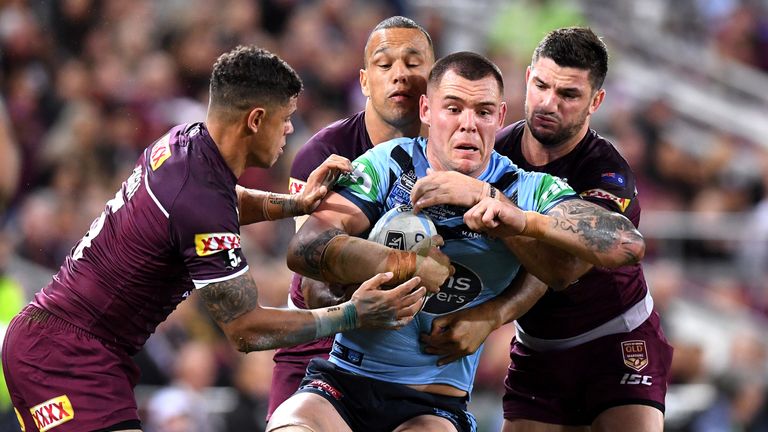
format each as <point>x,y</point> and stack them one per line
<point>400,228</point>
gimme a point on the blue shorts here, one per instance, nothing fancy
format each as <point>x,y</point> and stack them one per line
<point>378,406</point>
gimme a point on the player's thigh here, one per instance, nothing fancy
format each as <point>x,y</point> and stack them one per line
<point>426,423</point>
<point>520,425</point>
<point>629,418</point>
<point>309,410</point>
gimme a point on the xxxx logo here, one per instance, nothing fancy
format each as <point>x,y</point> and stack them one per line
<point>160,152</point>
<point>52,413</point>
<point>208,244</point>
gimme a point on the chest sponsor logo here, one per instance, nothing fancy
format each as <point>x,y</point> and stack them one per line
<point>635,354</point>
<point>613,178</point>
<point>160,152</point>
<point>209,244</point>
<point>460,289</point>
<point>623,203</point>
<point>52,413</point>
<point>295,185</point>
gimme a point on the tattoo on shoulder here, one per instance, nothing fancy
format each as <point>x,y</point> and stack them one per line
<point>312,251</point>
<point>228,300</point>
<point>600,228</point>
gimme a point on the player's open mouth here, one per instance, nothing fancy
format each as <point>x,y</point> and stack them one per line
<point>467,148</point>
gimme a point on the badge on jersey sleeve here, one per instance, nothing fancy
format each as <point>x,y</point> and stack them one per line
<point>363,179</point>
<point>295,185</point>
<point>623,203</point>
<point>160,152</point>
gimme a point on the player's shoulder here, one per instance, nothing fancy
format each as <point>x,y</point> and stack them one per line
<point>597,151</point>
<point>186,158</point>
<point>509,137</point>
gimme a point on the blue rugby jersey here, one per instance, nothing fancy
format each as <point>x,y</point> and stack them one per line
<point>383,178</point>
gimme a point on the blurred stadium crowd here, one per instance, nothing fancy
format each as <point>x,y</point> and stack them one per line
<point>85,85</point>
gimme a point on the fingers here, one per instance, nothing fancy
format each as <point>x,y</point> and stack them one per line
<point>376,281</point>
<point>412,303</point>
<point>406,287</point>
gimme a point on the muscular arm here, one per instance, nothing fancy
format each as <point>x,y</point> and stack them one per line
<point>323,249</point>
<point>590,232</point>
<point>235,307</point>
<point>554,266</point>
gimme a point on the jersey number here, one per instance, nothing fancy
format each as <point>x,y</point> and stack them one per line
<point>112,206</point>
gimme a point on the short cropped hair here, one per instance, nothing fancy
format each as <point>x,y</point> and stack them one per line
<point>249,76</point>
<point>576,47</point>
<point>397,22</point>
<point>466,64</point>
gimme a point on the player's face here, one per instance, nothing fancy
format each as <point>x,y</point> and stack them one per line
<point>398,63</point>
<point>270,139</point>
<point>558,102</point>
<point>463,118</point>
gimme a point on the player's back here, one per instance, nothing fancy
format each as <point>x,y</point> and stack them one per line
<point>597,172</point>
<point>133,266</point>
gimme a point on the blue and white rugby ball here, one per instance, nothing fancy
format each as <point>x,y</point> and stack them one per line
<point>400,228</point>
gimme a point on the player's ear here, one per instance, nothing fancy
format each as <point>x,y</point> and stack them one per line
<point>597,99</point>
<point>424,109</point>
<point>364,83</point>
<point>255,118</point>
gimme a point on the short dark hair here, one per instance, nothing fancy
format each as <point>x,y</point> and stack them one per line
<point>248,76</point>
<point>576,47</point>
<point>466,64</point>
<point>397,21</point>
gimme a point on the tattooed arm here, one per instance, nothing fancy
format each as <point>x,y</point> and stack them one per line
<point>323,249</point>
<point>584,229</point>
<point>235,307</point>
<point>256,206</point>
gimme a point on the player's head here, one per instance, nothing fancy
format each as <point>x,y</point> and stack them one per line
<point>254,89</point>
<point>463,108</point>
<point>564,84</point>
<point>396,62</point>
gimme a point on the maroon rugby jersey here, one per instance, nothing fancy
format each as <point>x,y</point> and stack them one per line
<point>597,171</point>
<point>348,138</point>
<point>172,227</point>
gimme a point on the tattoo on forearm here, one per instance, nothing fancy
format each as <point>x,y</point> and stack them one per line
<point>228,300</point>
<point>288,205</point>
<point>312,252</point>
<point>601,230</point>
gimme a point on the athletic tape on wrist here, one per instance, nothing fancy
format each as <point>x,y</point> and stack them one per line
<point>335,319</point>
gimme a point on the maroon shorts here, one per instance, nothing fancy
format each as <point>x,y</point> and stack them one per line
<point>63,379</point>
<point>573,386</point>
<point>290,368</point>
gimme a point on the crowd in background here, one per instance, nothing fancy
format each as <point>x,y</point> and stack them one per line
<point>86,85</point>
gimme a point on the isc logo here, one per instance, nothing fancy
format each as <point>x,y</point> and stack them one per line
<point>634,379</point>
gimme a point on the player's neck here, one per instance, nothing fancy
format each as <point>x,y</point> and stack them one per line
<point>537,154</point>
<point>380,131</point>
<point>225,139</point>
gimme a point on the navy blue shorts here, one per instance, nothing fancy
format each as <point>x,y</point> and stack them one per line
<point>378,406</point>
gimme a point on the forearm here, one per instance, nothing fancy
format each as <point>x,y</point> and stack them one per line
<point>275,328</point>
<point>553,266</point>
<point>335,257</point>
<point>595,235</point>
<point>258,206</point>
